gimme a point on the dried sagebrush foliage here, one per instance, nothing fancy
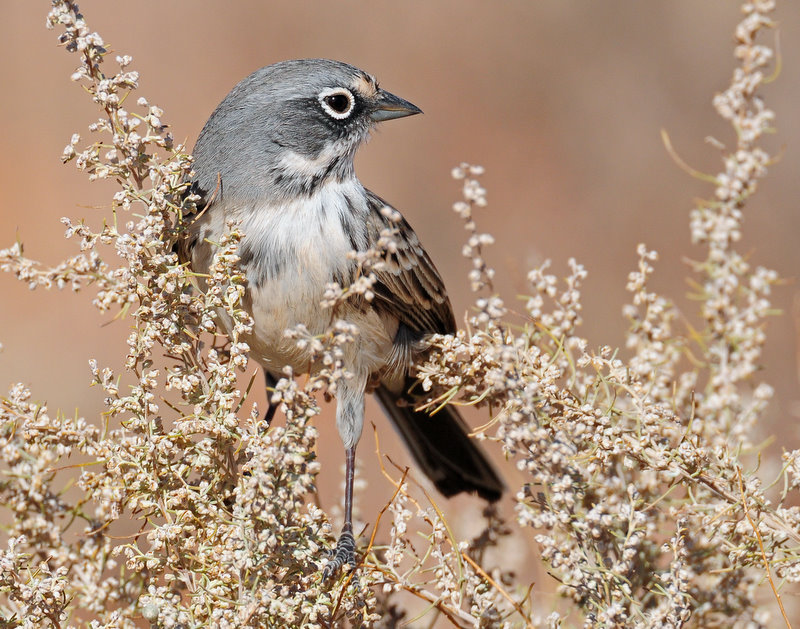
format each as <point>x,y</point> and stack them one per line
<point>634,484</point>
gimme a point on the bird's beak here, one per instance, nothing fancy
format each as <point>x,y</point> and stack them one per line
<point>389,106</point>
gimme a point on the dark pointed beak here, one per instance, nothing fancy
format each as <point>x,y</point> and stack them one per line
<point>389,106</point>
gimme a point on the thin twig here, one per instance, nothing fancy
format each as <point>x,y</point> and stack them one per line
<point>498,587</point>
<point>761,547</point>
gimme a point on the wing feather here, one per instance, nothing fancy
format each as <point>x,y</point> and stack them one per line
<point>409,287</point>
<point>184,239</point>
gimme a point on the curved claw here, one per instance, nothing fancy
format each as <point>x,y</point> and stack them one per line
<point>345,553</point>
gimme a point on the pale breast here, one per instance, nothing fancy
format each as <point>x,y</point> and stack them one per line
<point>290,253</point>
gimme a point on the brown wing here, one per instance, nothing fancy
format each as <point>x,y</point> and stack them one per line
<point>409,287</point>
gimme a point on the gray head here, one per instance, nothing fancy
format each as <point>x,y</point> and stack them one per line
<point>289,127</point>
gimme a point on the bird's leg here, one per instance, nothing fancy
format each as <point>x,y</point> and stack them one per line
<point>349,423</point>
<point>345,552</point>
<point>270,381</point>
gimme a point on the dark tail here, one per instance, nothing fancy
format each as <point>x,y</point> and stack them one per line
<point>442,448</point>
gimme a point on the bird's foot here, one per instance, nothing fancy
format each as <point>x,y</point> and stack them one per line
<point>344,553</point>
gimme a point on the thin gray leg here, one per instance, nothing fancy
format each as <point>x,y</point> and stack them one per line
<point>345,552</point>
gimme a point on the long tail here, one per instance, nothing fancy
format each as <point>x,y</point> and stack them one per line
<point>442,448</point>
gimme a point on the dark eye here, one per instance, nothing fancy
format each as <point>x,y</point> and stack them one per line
<point>337,103</point>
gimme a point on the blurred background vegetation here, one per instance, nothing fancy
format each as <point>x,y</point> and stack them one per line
<point>562,101</point>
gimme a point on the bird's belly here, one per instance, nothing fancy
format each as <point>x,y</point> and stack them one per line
<point>290,301</point>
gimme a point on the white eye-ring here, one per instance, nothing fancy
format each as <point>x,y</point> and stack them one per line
<point>337,102</point>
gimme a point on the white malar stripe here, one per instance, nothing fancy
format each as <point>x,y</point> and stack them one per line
<point>300,165</point>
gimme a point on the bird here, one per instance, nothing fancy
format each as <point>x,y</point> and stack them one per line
<point>277,156</point>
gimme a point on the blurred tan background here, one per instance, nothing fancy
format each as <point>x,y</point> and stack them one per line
<point>562,101</point>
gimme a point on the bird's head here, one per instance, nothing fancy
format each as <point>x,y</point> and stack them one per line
<point>289,127</point>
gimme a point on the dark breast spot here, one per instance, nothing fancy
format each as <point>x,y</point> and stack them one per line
<point>264,265</point>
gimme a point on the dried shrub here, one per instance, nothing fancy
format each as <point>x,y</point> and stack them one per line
<point>636,484</point>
